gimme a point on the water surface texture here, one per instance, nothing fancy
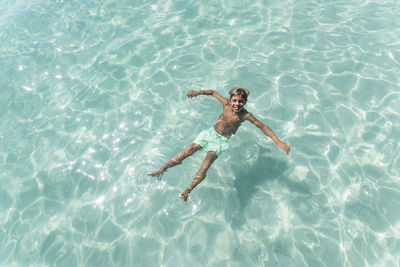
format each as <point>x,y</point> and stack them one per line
<point>92,96</point>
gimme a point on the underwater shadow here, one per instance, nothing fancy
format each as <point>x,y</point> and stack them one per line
<point>265,168</point>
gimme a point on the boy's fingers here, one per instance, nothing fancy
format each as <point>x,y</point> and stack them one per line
<point>287,148</point>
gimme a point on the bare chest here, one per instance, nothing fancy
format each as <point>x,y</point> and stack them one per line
<point>231,117</point>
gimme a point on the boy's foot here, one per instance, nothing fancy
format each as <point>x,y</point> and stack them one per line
<point>184,196</point>
<point>158,174</point>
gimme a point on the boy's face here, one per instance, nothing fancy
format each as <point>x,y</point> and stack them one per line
<point>237,103</point>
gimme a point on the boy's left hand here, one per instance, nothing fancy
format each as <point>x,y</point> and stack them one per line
<point>191,94</point>
<point>284,146</point>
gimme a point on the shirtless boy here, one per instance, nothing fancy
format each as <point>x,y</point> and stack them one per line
<point>215,140</point>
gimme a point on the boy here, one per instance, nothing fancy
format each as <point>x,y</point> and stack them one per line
<point>215,140</point>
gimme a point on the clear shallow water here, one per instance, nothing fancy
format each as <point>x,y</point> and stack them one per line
<point>93,97</point>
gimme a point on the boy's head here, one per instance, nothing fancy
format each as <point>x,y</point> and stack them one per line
<point>239,91</point>
<point>238,98</point>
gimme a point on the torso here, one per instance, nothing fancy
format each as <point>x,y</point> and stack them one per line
<point>229,121</point>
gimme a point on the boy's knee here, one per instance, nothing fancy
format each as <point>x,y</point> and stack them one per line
<point>195,147</point>
<point>211,156</point>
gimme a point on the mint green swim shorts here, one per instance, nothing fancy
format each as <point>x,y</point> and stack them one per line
<point>210,140</point>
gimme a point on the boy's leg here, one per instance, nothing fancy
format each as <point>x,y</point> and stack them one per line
<point>201,174</point>
<point>188,151</point>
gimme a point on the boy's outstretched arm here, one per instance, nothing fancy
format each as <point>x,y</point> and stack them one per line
<point>267,131</point>
<point>192,93</point>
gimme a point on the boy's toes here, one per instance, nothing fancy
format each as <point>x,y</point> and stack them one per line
<point>156,174</point>
<point>183,196</point>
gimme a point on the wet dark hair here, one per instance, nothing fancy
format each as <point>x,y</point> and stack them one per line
<point>239,91</point>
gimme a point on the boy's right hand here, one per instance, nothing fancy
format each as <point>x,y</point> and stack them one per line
<point>284,146</point>
<point>191,94</point>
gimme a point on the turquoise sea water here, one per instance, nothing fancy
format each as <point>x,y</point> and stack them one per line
<point>92,96</point>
